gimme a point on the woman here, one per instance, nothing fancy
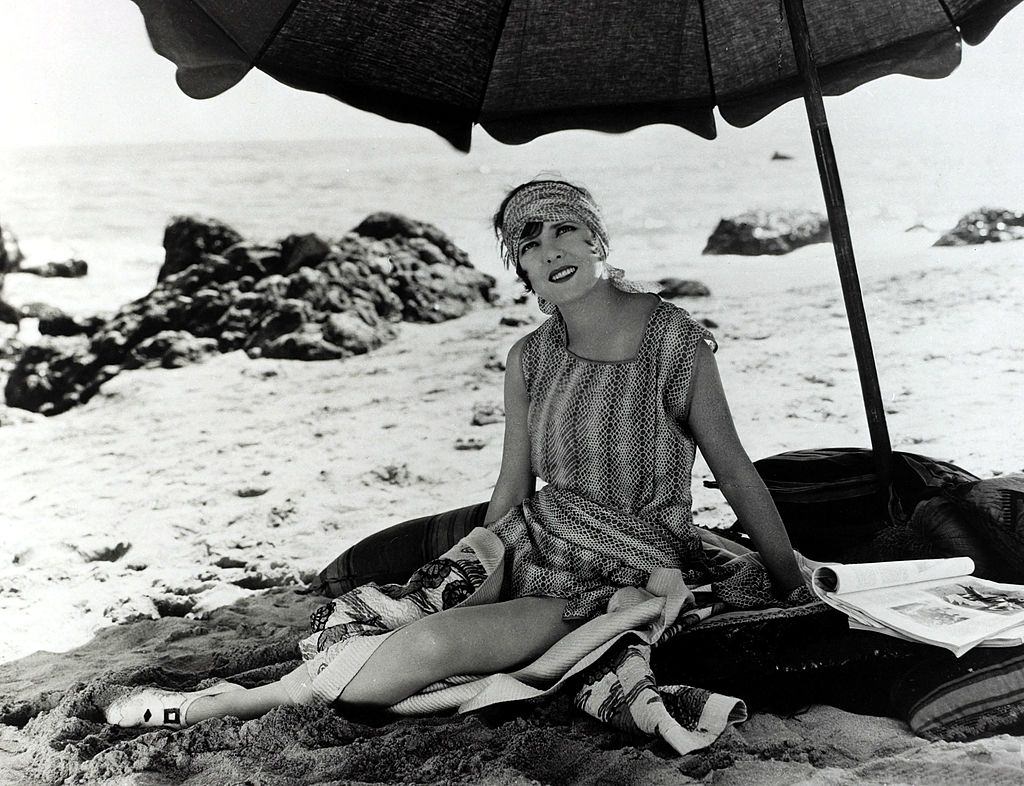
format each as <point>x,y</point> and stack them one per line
<point>607,402</point>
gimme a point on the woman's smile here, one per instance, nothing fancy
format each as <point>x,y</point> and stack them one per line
<point>561,260</point>
<point>564,273</point>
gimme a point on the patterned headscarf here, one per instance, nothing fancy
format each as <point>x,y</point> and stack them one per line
<point>549,200</point>
<point>554,200</point>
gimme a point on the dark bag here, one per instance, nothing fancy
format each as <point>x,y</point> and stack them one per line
<point>993,512</point>
<point>833,505</point>
<point>786,659</point>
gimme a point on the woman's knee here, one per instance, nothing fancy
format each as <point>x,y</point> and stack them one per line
<point>434,643</point>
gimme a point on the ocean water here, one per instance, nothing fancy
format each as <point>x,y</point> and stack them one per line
<point>662,190</point>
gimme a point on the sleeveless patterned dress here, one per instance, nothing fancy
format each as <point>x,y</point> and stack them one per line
<point>610,440</point>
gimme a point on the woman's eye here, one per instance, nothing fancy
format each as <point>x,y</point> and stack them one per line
<point>565,228</point>
<point>527,247</point>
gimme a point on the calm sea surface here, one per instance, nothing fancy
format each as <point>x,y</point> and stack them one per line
<point>663,190</point>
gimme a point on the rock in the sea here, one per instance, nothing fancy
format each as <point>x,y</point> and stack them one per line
<point>69,268</point>
<point>681,287</point>
<point>55,322</point>
<point>187,238</point>
<point>10,259</point>
<point>767,232</point>
<point>8,313</point>
<point>987,225</point>
<point>304,298</point>
<point>10,252</point>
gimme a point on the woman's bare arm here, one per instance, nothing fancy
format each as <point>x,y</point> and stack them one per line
<point>712,425</point>
<point>516,481</point>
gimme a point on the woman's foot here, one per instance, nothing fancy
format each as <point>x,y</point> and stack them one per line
<point>156,707</point>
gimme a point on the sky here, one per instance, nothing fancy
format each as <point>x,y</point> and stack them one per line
<point>82,72</point>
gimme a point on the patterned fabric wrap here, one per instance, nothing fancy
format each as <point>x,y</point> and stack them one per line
<point>621,691</point>
<point>549,200</point>
<point>587,532</point>
<point>609,664</point>
<point>373,609</point>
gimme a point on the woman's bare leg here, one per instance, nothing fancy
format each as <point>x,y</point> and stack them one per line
<point>244,704</point>
<point>469,640</point>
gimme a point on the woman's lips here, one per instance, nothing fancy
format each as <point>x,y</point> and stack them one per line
<point>563,273</point>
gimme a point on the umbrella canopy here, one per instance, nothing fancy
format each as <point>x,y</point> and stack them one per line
<point>523,68</point>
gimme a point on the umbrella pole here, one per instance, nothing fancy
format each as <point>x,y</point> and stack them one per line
<point>841,241</point>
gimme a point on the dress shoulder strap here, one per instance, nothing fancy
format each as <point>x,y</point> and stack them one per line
<point>680,339</point>
<point>538,346</point>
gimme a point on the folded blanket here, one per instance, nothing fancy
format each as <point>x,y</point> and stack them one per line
<point>610,653</point>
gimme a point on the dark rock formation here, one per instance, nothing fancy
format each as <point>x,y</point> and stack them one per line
<point>305,298</point>
<point>187,238</point>
<point>69,268</point>
<point>10,252</point>
<point>681,287</point>
<point>767,232</point>
<point>987,225</point>
<point>431,276</point>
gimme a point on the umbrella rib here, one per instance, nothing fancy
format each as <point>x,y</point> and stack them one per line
<point>949,14</point>
<point>494,56</point>
<point>273,33</point>
<point>707,53</point>
<point>227,34</point>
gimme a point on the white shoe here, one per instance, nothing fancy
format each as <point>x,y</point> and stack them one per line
<point>158,707</point>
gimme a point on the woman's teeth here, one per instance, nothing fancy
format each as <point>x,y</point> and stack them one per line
<point>561,274</point>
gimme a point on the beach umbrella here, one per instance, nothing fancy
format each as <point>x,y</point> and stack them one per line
<point>523,68</point>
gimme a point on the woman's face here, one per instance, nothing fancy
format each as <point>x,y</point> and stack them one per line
<point>561,261</point>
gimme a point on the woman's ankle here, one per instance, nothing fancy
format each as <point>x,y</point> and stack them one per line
<point>202,707</point>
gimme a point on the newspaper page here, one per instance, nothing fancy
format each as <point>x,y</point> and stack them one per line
<point>1014,637</point>
<point>947,608</point>
<point>871,575</point>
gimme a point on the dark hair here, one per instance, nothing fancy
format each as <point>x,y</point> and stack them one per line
<point>530,230</point>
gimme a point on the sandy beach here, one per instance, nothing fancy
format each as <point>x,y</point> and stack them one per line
<point>194,504</point>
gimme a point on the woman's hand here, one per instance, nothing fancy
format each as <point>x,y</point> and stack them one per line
<point>712,426</point>
<point>516,481</point>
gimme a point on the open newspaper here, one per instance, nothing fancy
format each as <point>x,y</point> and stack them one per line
<point>935,601</point>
